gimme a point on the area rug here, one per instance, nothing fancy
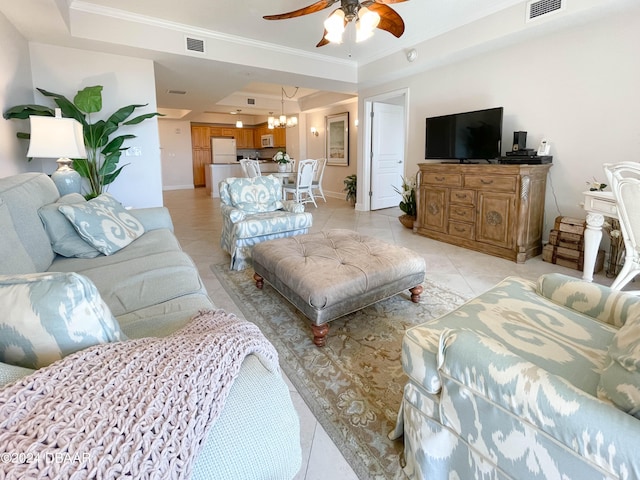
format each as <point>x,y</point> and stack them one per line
<point>354,384</point>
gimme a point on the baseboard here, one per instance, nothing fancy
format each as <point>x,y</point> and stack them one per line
<point>177,187</point>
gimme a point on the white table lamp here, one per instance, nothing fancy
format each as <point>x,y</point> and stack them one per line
<point>53,137</point>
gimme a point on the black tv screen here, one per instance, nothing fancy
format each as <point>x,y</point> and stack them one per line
<point>465,136</point>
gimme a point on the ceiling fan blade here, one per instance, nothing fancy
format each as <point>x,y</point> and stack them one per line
<point>316,7</point>
<point>323,41</point>
<point>389,19</point>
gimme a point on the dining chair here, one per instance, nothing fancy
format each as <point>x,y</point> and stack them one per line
<point>624,178</point>
<point>250,168</point>
<point>301,190</point>
<point>291,167</point>
<point>316,184</point>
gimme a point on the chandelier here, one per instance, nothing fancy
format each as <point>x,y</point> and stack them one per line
<point>283,121</point>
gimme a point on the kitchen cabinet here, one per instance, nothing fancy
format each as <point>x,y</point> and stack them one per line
<point>201,152</point>
<point>244,138</point>
<point>494,209</point>
<point>279,137</point>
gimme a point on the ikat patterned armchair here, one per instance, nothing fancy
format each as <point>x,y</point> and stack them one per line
<point>252,212</point>
<point>527,381</point>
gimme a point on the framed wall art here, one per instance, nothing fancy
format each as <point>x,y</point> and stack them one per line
<point>338,139</point>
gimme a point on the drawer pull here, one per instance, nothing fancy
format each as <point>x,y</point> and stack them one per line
<point>440,179</point>
<point>460,229</point>
<point>460,196</point>
<point>486,182</point>
<point>462,213</point>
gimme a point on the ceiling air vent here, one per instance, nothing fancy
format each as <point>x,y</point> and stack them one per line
<point>251,101</point>
<point>540,8</point>
<point>177,92</point>
<point>195,44</point>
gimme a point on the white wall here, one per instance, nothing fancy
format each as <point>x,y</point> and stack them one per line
<point>585,101</point>
<point>175,147</point>
<point>316,146</point>
<point>126,81</point>
<point>15,89</point>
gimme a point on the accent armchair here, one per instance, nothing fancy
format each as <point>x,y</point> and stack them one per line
<point>252,212</point>
<point>526,381</point>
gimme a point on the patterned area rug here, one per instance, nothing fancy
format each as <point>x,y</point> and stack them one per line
<point>354,384</point>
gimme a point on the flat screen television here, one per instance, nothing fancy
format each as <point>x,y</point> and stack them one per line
<point>465,136</point>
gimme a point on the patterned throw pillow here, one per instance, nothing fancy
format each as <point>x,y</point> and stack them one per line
<point>65,240</point>
<point>50,315</point>
<point>104,223</point>
<point>255,195</point>
<point>620,378</point>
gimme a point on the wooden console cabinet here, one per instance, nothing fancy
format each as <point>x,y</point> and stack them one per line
<point>494,209</point>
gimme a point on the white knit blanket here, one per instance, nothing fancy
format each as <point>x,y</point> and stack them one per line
<point>136,409</point>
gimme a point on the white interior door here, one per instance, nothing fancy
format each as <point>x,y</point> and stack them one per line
<point>387,154</point>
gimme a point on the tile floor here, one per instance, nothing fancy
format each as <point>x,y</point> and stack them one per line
<point>198,224</point>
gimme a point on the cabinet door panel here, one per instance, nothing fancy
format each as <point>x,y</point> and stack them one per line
<point>496,217</point>
<point>433,208</point>
<point>201,158</point>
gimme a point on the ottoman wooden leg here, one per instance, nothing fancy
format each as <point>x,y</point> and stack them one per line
<point>319,334</point>
<point>415,293</point>
<point>259,281</point>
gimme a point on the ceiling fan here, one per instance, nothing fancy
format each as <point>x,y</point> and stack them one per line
<point>369,14</point>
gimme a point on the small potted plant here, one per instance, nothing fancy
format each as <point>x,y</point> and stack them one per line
<point>350,186</point>
<point>282,158</point>
<point>408,202</point>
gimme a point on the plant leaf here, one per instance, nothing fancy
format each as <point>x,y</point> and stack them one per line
<point>141,118</point>
<point>25,111</point>
<point>68,109</point>
<point>89,99</point>
<point>112,176</point>
<point>82,167</point>
<point>110,163</point>
<point>116,143</point>
<point>123,113</point>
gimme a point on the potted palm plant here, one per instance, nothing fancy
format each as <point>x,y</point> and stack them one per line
<point>408,202</point>
<point>350,186</point>
<point>100,168</point>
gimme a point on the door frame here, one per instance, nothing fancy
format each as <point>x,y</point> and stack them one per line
<point>364,168</point>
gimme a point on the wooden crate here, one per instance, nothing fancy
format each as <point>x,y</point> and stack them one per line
<point>568,257</point>
<point>570,225</point>
<point>574,241</point>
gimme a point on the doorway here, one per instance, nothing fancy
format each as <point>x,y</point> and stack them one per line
<point>385,144</point>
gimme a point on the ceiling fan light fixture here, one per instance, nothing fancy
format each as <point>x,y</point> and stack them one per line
<point>368,18</point>
<point>334,25</point>
<point>366,23</point>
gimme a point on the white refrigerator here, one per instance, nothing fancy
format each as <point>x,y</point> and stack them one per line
<point>225,164</point>
<point>223,150</point>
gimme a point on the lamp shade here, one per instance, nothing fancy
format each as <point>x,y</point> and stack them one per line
<point>55,137</point>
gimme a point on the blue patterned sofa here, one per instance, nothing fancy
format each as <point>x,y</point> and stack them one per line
<point>526,381</point>
<point>152,289</point>
<point>253,211</point>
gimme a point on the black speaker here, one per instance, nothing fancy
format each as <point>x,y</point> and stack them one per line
<point>519,141</point>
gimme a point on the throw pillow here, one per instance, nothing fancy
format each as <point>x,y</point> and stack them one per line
<point>104,223</point>
<point>49,316</point>
<point>620,378</point>
<point>255,195</point>
<point>65,240</point>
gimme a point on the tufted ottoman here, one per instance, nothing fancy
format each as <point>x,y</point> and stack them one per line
<point>329,274</point>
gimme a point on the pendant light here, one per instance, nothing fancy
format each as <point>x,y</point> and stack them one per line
<point>283,121</point>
